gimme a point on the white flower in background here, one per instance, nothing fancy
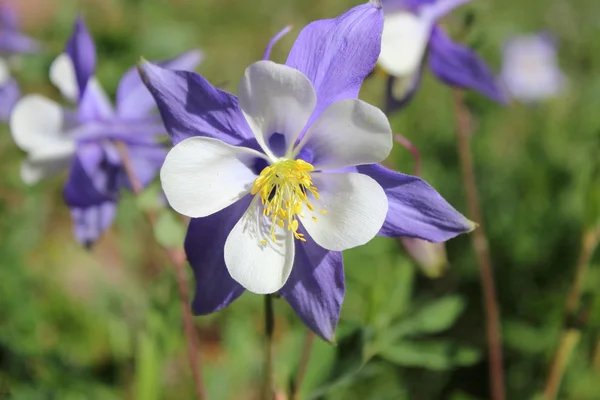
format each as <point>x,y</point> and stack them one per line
<point>530,70</point>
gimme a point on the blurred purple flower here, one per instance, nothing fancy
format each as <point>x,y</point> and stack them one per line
<point>244,165</point>
<point>530,70</point>
<point>12,42</point>
<point>83,139</point>
<point>410,32</point>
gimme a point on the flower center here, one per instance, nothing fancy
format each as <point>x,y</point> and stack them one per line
<point>283,188</point>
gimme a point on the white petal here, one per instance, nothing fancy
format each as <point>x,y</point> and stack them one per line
<point>348,133</point>
<point>46,164</point>
<point>403,43</point>
<point>4,72</point>
<point>260,268</point>
<point>62,75</point>
<point>37,123</point>
<point>276,99</point>
<point>356,207</point>
<point>201,176</point>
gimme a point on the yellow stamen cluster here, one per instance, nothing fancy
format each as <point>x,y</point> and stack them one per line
<point>283,189</point>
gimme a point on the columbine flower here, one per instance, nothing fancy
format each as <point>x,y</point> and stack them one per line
<point>410,31</point>
<point>282,179</point>
<point>12,42</point>
<point>530,69</point>
<point>83,140</point>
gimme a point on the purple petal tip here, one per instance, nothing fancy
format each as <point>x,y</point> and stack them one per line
<point>473,225</point>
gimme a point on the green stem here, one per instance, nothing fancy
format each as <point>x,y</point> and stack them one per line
<point>571,335</point>
<point>480,246</point>
<point>178,259</point>
<point>302,368</point>
<point>268,390</point>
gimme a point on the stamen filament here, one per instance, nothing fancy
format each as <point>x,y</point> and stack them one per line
<point>284,188</point>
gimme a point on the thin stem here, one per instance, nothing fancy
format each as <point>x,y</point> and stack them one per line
<point>480,246</point>
<point>413,150</point>
<point>568,341</point>
<point>178,259</point>
<point>303,366</point>
<point>588,246</point>
<point>570,336</point>
<point>268,389</point>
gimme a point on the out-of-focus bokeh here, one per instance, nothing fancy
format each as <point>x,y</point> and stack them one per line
<point>106,324</point>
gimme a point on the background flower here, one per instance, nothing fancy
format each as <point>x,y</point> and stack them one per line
<point>530,69</point>
<point>86,140</point>
<point>412,36</point>
<point>12,42</point>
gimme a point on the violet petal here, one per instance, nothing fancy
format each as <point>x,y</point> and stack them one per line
<point>133,98</point>
<point>457,65</point>
<point>82,51</point>
<point>415,208</point>
<point>338,54</point>
<point>204,246</point>
<point>315,288</point>
<point>191,106</point>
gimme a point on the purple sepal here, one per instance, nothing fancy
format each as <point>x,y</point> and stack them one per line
<point>415,208</point>
<point>459,66</point>
<point>204,247</point>
<point>92,177</point>
<point>133,98</point>
<point>337,54</point>
<point>82,51</point>
<point>12,41</point>
<point>191,106</point>
<point>315,288</point>
<point>392,103</point>
<point>94,105</point>
<point>9,95</point>
<point>146,160</point>
<point>91,222</point>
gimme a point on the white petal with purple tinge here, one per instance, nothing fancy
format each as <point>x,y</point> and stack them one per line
<point>403,43</point>
<point>45,163</point>
<point>355,207</point>
<point>260,267</point>
<point>62,75</point>
<point>201,176</point>
<point>37,124</point>
<point>276,99</point>
<point>348,133</point>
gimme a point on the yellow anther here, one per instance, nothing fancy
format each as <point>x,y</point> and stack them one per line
<point>284,188</point>
<point>323,212</point>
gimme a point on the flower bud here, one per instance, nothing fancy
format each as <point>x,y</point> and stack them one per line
<point>430,257</point>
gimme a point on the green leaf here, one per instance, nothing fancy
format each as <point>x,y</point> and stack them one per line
<point>348,363</point>
<point>526,338</point>
<point>147,371</point>
<point>436,316</point>
<point>150,198</point>
<point>169,231</point>
<point>434,355</point>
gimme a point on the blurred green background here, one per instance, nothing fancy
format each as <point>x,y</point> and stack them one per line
<point>106,324</point>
